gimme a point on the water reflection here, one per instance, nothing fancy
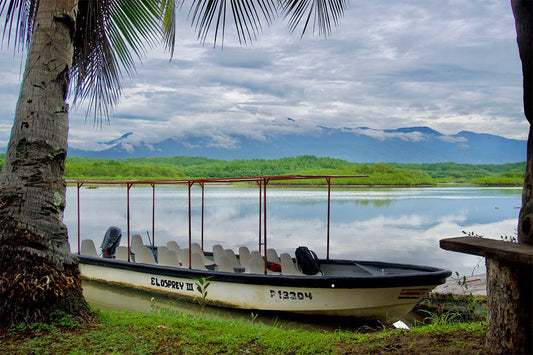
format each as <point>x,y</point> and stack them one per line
<point>396,224</point>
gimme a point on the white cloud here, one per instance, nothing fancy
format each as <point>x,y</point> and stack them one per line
<point>450,65</point>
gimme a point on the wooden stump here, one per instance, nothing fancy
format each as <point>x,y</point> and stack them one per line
<point>509,301</point>
<point>509,295</point>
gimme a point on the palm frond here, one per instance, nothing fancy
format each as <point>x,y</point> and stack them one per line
<point>168,9</point>
<point>21,14</point>
<point>109,35</point>
<point>248,16</point>
<point>324,14</point>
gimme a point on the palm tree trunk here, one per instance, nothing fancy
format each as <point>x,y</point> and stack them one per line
<point>38,273</point>
<point>523,13</point>
<point>510,294</point>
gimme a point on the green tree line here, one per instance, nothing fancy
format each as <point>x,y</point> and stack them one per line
<point>378,173</point>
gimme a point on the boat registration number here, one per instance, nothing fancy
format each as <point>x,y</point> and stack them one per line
<point>291,295</point>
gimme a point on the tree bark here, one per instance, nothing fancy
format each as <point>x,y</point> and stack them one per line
<point>523,13</point>
<point>509,292</point>
<point>39,275</point>
<point>509,323</point>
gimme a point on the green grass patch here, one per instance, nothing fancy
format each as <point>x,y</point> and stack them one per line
<point>170,332</point>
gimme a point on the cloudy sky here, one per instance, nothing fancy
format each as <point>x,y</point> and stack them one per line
<point>451,65</point>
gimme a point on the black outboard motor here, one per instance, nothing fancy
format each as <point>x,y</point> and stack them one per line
<point>111,242</point>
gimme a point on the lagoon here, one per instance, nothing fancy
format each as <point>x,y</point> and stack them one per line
<point>391,224</point>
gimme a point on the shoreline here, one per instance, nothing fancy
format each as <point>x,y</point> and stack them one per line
<point>475,285</point>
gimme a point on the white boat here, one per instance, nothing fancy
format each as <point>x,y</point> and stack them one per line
<point>349,288</point>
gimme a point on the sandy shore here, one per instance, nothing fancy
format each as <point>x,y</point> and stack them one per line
<point>476,285</point>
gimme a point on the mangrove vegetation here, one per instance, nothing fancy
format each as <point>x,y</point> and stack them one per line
<point>180,167</point>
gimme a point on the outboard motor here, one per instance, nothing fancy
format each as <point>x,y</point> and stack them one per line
<point>111,242</point>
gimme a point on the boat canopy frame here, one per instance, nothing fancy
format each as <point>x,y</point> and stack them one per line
<point>261,181</point>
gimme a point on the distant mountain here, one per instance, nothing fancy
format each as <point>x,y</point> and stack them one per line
<point>362,144</point>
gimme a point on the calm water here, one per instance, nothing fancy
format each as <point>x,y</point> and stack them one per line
<point>394,224</point>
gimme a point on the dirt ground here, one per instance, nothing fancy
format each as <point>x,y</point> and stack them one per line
<point>459,342</point>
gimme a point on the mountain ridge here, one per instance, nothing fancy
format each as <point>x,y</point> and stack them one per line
<point>358,144</point>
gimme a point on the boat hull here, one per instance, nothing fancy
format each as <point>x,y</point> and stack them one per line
<point>386,298</point>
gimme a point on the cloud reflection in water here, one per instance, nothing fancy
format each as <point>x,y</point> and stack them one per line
<point>398,225</point>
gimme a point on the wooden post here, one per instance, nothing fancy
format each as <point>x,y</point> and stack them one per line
<point>509,297</point>
<point>509,326</point>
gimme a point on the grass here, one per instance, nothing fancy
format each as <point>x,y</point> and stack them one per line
<point>169,332</point>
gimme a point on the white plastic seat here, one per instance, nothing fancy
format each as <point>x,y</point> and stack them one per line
<point>197,262</point>
<point>183,256</point>
<point>172,245</point>
<point>224,264</point>
<point>122,253</point>
<point>244,255</point>
<point>168,258</point>
<point>136,240</point>
<point>272,255</point>
<point>87,248</point>
<point>197,249</point>
<point>160,250</point>
<point>255,266</point>
<point>218,251</point>
<point>232,257</point>
<point>144,255</point>
<point>256,254</point>
<point>287,265</point>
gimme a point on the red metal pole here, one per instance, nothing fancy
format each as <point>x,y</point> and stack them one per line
<point>265,221</point>
<point>128,216</point>
<point>190,183</point>
<point>79,233</point>
<point>153,214</point>
<point>260,208</point>
<point>328,180</point>
<point>202,185</point>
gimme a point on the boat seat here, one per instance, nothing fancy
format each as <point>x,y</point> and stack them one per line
<point>196,248</point>
<point>218,251</point>
<point>287,265</point>
<point>256,254</point>
<point>197,262</point>
<point>244,255</point>
<point>183,257</point>
<point>87,248</point>
<point>172,245</point>
<point>136,240</point>
<point>167,257</point>
<point>255,266</point>
<point>134,248</point>
<point>224,264</point>
<point>272,256</point>
<point>232,257</point>
<point>160,250</point>
<point>144,256</point>
<point>122,253</point>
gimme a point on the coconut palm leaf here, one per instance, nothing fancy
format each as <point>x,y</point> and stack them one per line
<point>110,35</point>
<point>21,14</point>
<point>247,17</point>
<point>168,9</point>
<point>323,13</point>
